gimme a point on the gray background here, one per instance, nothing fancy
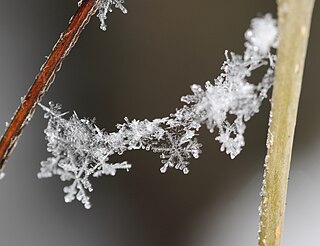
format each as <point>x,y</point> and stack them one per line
<point>139,68</point>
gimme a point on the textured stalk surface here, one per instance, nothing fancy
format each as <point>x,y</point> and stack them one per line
<point>294,25</point>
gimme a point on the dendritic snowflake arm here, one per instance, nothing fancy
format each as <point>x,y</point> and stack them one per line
<point>105,6</point>
<point>80,149</point>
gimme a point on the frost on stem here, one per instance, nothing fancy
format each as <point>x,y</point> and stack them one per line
<point>105,6</point>
<point>80,149</point>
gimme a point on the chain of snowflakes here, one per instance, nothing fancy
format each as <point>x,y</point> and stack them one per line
<point>80,149</point>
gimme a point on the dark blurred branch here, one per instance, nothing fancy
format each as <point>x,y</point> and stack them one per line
<point>45,77</point>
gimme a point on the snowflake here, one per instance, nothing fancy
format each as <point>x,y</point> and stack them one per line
<point>80,149</point>
<point>105,6</point>
<point>177,150</point>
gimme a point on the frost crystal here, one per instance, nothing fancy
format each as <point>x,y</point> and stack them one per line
<point>105,6</point>
<point>263,34</point>
<point>80,149</point>
<point>2,174</point>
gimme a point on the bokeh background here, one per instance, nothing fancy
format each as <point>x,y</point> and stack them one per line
<point>140,67</point>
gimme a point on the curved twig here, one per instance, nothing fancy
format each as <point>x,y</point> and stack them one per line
<point>45,77</point>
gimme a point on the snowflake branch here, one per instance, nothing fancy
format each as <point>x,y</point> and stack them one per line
<point>294,25</point>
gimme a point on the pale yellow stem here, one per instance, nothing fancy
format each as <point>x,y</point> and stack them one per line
<point>294,24</point>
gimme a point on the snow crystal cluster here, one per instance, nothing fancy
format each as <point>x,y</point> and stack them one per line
<point>105,6</point>
<point>80,149</point>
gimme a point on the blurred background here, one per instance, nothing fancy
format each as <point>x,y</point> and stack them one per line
<point>140,67</point>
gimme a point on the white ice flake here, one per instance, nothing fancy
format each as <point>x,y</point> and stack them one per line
<point>80,149</point>
<point>105,7</point>
<point>2,174</point>
<point>263,34</point>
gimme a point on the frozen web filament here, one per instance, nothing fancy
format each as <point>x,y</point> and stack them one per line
<point>80,149</point>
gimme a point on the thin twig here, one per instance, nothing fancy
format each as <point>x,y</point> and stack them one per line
<point>294,25</point>
<point>45,77</point>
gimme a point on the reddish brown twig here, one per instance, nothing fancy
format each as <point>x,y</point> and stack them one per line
<point>45,77</point>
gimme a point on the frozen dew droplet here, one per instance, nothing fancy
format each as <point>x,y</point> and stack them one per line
<point>87,205</point>
<point>248,34</point>
<point>163,169</point>
<point>79,196</point>
<point>2,174</point>
<point>195,155</point>
<point>185,170</point>
<point>68,198</point>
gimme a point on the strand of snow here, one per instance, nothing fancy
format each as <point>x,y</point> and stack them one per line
<point>80,149</point>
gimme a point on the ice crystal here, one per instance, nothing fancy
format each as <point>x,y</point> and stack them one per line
<point>2,174</point>
<point>80,149</point>
<point>263,34</point>
<point>105,7</point>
